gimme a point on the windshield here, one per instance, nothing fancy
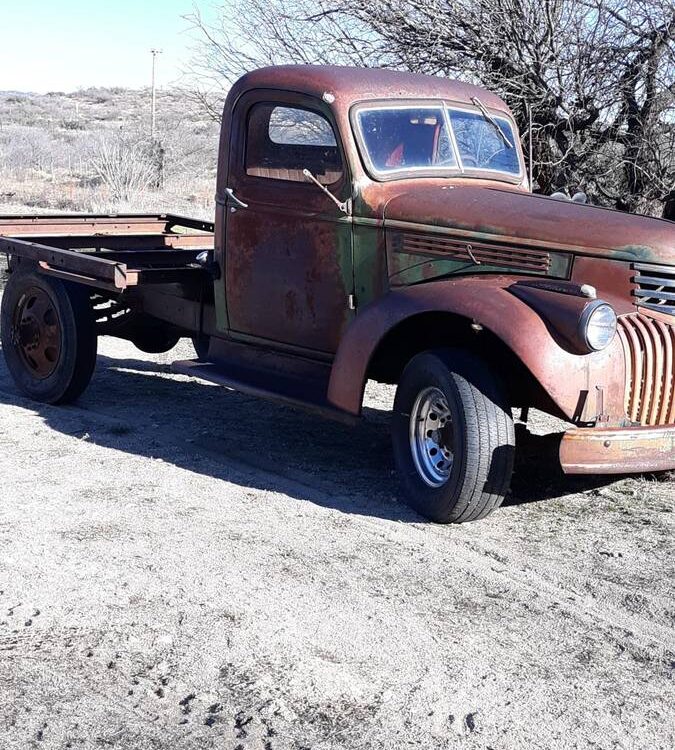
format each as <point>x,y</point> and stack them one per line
<point>435,138</point>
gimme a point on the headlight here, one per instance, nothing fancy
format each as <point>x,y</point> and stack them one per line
<point>597,325</point>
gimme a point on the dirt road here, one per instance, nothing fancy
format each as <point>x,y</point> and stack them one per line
<point>185,567</point>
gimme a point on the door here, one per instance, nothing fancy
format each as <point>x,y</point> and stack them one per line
<point>288,270</point>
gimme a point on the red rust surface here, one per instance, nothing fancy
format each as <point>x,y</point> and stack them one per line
<point>12,226</point>
<point>570,379</point>
<point>613,280</point>
<point>515,216</point>
<point>344,86</point>
<point>621,451</point>
<point>288,265</point>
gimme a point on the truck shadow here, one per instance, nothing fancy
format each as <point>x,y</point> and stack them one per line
<point>131,407</point>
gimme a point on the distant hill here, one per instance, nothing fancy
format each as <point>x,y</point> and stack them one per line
<point>52,146</point>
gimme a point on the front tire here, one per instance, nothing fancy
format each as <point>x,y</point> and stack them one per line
<point>48,337</point>
<point>453,437</point>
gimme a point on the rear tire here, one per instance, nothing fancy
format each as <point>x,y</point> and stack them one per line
<point>453,437</point>
<point>48,336</point>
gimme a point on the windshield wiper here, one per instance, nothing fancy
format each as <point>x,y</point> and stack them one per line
<point>491,120</point>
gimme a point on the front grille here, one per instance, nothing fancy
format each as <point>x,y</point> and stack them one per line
<point>655,287</point>
<point>482,252</point>
<point>649,346</point>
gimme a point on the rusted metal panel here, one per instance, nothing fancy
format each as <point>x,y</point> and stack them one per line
<point>476,253</point>
<point>341,87</point>
<point>613,280</point>
<point>508,215</point>
<point>654,288</point>
<point>74,224</point>
<point>107,272</point>
<point>620,451</point>
<point>420,256</point>
<point>102,242</point>
<point>288,277</point>
<point>288,260</point>
<point>569,378</point>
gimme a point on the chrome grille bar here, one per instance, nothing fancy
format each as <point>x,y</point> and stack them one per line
<point>649,349</point>
<point>655,287</point>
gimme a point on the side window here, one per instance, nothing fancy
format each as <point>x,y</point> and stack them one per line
<point>282,141</point>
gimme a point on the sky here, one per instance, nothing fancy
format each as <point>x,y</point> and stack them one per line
<point>62,45</point>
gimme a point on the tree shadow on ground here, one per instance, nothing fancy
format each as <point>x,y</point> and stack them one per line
<point>131,407</point>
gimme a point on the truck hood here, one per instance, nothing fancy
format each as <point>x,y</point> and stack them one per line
<point>500,214</point>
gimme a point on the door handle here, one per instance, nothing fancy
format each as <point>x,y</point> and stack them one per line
<point>234,199</point>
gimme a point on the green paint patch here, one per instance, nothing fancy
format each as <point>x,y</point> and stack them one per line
<point>635,252</point>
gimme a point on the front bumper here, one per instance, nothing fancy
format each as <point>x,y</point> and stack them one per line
<point>628,450</point>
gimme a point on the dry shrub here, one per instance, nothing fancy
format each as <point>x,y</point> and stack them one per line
<point>125,165</point>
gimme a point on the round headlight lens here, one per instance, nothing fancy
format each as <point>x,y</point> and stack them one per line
<point>598,326</point>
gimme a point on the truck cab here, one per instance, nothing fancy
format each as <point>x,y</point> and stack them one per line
<point>378,224</point>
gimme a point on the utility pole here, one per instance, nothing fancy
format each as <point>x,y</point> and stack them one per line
<point>529,139</point>
<point>154,53</point>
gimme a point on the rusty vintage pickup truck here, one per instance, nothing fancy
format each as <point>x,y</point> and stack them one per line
<point>375,224</point>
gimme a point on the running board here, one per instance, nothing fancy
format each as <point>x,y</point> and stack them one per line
<point>308,394</point>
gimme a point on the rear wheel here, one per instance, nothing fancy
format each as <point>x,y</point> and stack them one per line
<point>453,437</point>
<point>48,336</point>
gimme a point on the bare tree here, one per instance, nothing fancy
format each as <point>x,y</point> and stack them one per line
<point>243,36</point>
<point>597,74</point>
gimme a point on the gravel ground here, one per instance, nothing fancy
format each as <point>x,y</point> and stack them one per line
<point>186,567</point>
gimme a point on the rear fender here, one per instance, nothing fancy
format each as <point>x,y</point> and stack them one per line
<point>583,386</point>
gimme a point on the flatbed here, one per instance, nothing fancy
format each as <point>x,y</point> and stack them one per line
<point>109,251</point>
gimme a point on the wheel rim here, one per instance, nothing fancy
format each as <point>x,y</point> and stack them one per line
<point>431,437</point>
<point>37,333</point>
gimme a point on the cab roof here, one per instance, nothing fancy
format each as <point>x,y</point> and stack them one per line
<point>350,84</point>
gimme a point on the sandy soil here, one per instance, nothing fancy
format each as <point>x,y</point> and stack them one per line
<point>185,567</point>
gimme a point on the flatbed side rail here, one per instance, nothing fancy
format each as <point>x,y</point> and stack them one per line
<point>92,271</point>
<point>174,220</point>
<point>21,224</point>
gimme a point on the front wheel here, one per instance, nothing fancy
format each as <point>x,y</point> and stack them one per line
<point>453,437</point>
<point>48,336</point>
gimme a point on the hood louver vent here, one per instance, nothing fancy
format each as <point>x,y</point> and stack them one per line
<point>478,253</point>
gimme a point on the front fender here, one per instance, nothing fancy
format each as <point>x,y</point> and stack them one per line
<point>583,386</point>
